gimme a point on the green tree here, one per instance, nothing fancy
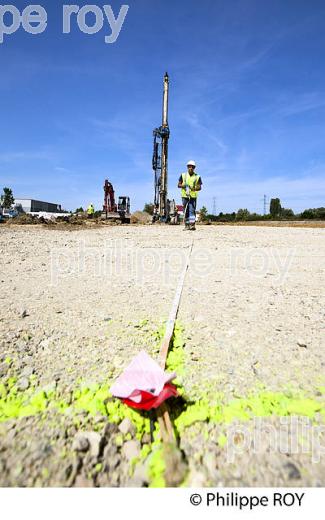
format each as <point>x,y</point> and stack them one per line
<point>242,214</point>
<point>226,217</point>
<point>7,198</point>
<point>255,216</point>
<point>275,208</point>
<point>80,210</point>
<point>313,213</point>
<point>203,214</point>
<point>148,208</point>
<point>320,213</point>
<point>287,213</point>
<point>307,214</point>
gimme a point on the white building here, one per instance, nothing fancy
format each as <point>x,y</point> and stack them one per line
<point>34,206</point>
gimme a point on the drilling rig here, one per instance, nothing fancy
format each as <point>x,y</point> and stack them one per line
<point>164,209</point>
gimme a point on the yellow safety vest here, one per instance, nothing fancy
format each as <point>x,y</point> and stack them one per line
<point>90,210</point>
<point>191,181</point>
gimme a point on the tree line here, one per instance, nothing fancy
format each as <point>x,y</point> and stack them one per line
<point>276,212</point>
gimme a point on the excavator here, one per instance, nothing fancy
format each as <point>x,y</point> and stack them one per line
<point>120,211</point>
<point>165,210</point>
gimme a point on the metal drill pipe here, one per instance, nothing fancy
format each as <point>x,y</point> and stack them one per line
<point>164,151</point>
<point>165,101</point>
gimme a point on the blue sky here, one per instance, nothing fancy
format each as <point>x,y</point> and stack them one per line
<point>247,103</point>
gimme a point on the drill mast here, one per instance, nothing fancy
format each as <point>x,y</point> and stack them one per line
<point>163,208</point>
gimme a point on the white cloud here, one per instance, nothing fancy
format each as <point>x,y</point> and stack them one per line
<point>11,157</point>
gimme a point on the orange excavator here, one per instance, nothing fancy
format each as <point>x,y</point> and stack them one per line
<point>120,211</point>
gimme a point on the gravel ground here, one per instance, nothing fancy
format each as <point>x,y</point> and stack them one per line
<point>77,305</point>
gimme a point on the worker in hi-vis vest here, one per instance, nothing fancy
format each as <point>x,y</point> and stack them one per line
<point>90,211</point>
<point>190,183</point>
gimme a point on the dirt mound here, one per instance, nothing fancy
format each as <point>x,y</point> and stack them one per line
<point>23,219</point>
<point>140,217</point>
<point>75,220</point>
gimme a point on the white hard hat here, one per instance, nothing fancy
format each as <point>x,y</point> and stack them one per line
<point>191,163</point>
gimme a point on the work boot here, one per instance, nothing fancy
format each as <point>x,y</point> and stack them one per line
<point>187,227</point>
<point>192,227</point>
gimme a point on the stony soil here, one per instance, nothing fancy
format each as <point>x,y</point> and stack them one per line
<point>78,304</point>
